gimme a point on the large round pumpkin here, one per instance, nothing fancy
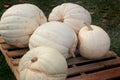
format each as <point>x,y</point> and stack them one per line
<point>94,42</point>
<point>43,63</point>
<point>18,23</point>
<point>55,34</point>
<point>71,14</point>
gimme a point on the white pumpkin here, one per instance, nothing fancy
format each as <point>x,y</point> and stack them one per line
<point>18,23</point>
<point>71,14</point>
<point>43,63</point>
<point>94,42</point>
<point>56,35</point>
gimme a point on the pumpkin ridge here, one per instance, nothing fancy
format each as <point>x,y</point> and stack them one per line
<point>54,41</point>
<point>14,34</point>
<point>20,15</point>
<point>23,16</point>
<point>67,22</point>
<point>3,27</point>
<point>49,75</point>
<point>76,6</point>
<point>70,11</point>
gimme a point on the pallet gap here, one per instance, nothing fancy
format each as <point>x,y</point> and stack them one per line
<point>116,78</point>
<point>74,75</point>
<point>92,61</point>
<point>12,49</point>
<point>95,61</point>
<point>102,69</point>
<point>70,66</point>
<point>16,57</point>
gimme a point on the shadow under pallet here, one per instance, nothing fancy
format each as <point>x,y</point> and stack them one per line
<point>79,68</point>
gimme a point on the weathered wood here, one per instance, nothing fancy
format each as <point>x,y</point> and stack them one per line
<point>94,66</point>
<point>16,72</point>
<point>8,60</point>
<point>16,52</point>
<point>1,40</point>
<point>15,62</point>
<point>106,68</point>
<point>101,75</point>
<point>7,46</point>
<point>78,60</point>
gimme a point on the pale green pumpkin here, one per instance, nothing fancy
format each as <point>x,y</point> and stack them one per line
<point>18,23</point>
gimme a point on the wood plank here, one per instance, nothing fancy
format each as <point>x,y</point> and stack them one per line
<point>93,66</point>
<point>16,73</point>
<point>101,75</point>
<point>15,62</point>
<point>82,70</point>
<point>16,52</point>
<point>78,60</point>
<point>1,40</point>
<point>7,46</point>
<point>8,60</point>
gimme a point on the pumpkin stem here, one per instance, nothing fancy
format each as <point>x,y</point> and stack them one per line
<point>88,25</point>
<point>61,20</point>
<point>73,54</point>
<point>34,59</point>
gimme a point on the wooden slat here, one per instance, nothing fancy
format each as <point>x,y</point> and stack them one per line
<point>110,54</point>
<point>15,62</point>
<point>105,68</point>
<point>1,40</point>
<point>101,75</point>
<point>8,60</point>
<point>16,72</point>
<point>78,60</point>
<point>93,66</point>
<point>16,52</point>
<point>6,46</point>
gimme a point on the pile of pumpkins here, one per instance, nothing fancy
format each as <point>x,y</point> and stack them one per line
<point>52,42</point>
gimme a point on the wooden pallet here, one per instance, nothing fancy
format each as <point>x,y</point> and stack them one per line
<point>12,56</point>
<point>79,68</point>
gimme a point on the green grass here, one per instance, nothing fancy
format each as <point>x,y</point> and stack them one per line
<point>105,13</point>
<point>5,72</point>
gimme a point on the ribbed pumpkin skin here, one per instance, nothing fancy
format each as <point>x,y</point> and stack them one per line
<point>71,14</point>
<point>56,35</point>
<point>50,65</point>
<point>18,23</point>
<point>93,44</point>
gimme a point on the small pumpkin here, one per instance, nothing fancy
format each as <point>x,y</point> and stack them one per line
<point>57,35</point>
<point>94,42</point>
<point>43,63</point>
<point>71,14</point>
<point>18,23</point>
